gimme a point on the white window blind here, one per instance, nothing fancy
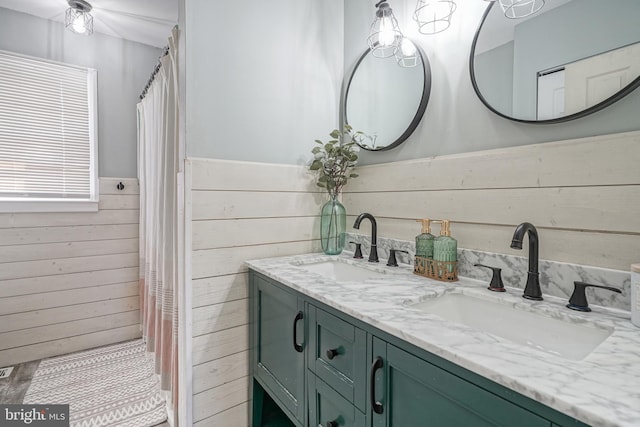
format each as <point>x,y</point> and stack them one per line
<point>47,131</point>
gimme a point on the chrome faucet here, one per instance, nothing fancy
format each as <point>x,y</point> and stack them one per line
<point>532,288</point>
<point>373,254</point>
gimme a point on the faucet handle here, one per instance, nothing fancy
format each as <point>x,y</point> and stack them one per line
<point>358,251</point>
<point>392,257</point>
<point>578,300</point>
<point>496,284</point>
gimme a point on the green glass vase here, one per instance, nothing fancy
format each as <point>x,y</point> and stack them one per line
<point>333,225</point>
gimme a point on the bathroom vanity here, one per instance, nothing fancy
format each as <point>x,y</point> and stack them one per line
<point>341,342</point>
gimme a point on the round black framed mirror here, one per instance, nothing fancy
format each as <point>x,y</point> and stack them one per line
<point>569,60</point>
<point>385,100</point>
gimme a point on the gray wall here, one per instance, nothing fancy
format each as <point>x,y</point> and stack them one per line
<point>456,121</point>
<point>263,77</point>
<point>123,69</point>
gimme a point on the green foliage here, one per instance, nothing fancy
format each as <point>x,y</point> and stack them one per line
<point>335,159</point>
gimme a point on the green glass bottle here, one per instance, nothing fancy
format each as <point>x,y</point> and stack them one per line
<point>424,241</point>
<point>445,247</point>
<point>333,225</point>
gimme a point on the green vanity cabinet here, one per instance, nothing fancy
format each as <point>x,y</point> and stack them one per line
<point>277,340</point>
<point>412,392</point>
<point>324,368</point>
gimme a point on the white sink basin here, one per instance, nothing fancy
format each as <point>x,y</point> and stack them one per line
<point>562,338</point>
<point>342,272</point>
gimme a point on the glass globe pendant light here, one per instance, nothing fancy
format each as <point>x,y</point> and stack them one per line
<point>77,18</point>
<point>385,35</point>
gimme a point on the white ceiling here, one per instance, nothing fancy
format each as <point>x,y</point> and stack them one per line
<point>143,21</point>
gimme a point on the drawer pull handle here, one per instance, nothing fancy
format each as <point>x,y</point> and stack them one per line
<point>375,405</point>
<point>332,424</point>
<point>331,353</point>
<point>297,346</point>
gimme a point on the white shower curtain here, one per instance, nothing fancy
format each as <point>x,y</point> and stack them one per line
<point>158,165</point>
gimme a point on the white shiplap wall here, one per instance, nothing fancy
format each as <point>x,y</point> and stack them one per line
<point>69,281</point>
<point>583,195</point>
<point>239,211</point>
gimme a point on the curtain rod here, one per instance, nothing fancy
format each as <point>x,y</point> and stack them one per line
<point>165,52</point>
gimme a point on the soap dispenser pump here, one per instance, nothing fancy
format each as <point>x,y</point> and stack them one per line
<point>445,247</point>
<point>424,241</point>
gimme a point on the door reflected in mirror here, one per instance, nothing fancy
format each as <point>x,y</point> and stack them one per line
<point>385,100</point>
<point>571,59</point>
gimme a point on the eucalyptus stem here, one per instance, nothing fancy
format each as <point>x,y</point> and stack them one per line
<point>335,159</point>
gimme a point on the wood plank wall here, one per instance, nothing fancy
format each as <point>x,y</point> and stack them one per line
<point>583,195</point>
<point>68,281</point>
<point>240,211</point>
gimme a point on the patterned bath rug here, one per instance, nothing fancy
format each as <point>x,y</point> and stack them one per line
<point>107,386</point>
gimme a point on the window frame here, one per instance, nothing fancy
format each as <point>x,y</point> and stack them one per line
<point>26,205</point>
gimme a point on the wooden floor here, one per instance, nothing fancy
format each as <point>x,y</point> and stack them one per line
<point>14,387</point>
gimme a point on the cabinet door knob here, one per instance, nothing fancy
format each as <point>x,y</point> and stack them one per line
<point>332,424</point>
<point>297,346</point>
<point>331,353</point>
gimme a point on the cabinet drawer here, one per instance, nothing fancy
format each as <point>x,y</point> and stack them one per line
<point>337,354</point>
<point>329,409</point>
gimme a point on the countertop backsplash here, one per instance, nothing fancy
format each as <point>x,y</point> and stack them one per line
<point>556,278</point>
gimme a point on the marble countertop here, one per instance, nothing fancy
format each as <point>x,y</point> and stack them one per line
<point>602,389</point>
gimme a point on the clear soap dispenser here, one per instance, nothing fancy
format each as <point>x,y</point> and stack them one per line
<point>424,241</point>
<point>445,247</point>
